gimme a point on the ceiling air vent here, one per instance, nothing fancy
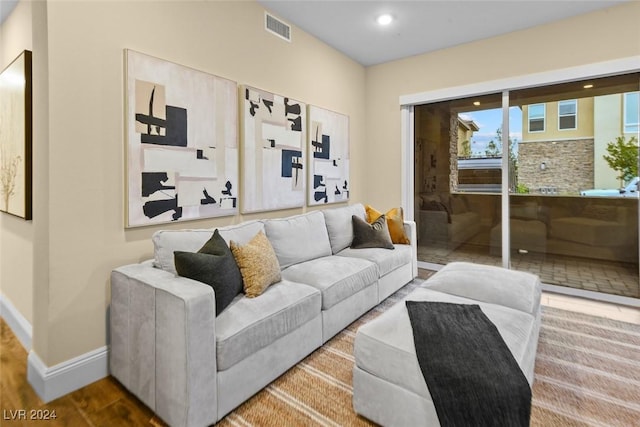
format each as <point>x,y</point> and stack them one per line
<point>277,27</point>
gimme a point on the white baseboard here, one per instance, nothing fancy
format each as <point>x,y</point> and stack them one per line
<point>52,382</point>
<point>16,321</point>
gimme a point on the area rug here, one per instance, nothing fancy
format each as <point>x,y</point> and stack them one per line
<point>587,374</point>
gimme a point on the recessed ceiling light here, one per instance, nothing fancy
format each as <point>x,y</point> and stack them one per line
<point>589,86</point>
<point>384,19</point>
<point>476,103</point>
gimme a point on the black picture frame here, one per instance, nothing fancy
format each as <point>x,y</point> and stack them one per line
<point>16,137</point>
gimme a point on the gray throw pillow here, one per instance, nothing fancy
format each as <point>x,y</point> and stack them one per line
<point>374,235</point>
<point>214,265</point>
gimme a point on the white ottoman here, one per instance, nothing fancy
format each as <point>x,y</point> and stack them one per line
<point>388,385</point>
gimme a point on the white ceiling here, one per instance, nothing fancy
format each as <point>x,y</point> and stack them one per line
<point>6,7</point>
<point>419,26</point>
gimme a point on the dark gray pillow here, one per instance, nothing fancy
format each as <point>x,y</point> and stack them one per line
<point>374,235</point>
<point>214,265</point>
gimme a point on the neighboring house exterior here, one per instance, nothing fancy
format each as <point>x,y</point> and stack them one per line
<point>563,142</point>
<point>616,115</point>
<point>556,153</point>
<point>465,133</point>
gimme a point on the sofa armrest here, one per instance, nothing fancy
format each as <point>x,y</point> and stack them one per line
<point>410,231</point>
<point>163,347</point>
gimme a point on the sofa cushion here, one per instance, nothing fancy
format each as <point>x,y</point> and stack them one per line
<point>395,223</point>
<point>374,235</point>
<point>336,277</point>
<point>386,260</point>
<point>241,233</point>
<point>434,205</point>
<point>250,324</point>
<point>385,348</point>
<point>462,222</point>
<point>165,242</point>
<point>214,265</point>
<point>589,231</point>
<point>601,212</point>
<point>458,205</point>
<point>340,227</point>
<point>298,238</point>
<point>258,264</point>
<point>526,210</point>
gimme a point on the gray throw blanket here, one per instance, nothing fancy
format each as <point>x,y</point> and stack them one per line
<point>471,374</point>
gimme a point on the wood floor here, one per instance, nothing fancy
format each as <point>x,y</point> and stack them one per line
<point>103,403</point>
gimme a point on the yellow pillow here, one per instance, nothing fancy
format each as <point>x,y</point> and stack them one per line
<point>395,222</point>
<point>258,264</point>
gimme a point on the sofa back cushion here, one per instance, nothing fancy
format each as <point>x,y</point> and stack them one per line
<point>165,242</point>
<point>241,233</point>
<point>339,225</point>
<point>298,238</point>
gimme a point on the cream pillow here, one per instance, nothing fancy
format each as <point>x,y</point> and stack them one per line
<point>258,264</point>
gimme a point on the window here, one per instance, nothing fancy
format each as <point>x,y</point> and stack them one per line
<point>631,112</point>
<point>568,114</point>
<point>536,118</point>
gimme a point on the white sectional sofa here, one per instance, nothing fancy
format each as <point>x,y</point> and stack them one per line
<point>192,368</point>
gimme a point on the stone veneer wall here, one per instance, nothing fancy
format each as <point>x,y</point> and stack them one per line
<point>569,165</point>
<point>453,151</point>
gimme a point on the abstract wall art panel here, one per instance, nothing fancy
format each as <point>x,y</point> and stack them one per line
<point>273,151</point>
<point>182,143</point>
<point>16,137</point>
<point>328,157</point>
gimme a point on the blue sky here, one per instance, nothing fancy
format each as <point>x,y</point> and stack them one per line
<point>490,120</point>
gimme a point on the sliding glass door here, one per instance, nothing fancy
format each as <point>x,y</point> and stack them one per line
<point>457,178</point>
<point>574,220</point>
<point>572,183</point>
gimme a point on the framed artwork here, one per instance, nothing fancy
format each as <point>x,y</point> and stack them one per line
<point>16,137</point>
<point>182,142</point>
<point>328,157</point>
<point>273,151</point>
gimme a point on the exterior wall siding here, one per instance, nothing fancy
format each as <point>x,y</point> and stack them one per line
<point>551,132</point>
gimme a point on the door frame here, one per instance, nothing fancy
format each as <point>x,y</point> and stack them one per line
<point>504,86</point>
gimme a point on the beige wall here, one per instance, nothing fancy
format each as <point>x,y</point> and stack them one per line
<point>16,235</point>
<point>85,230</point>
<point>567,43</point>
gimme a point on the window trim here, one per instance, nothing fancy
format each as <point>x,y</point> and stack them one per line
<point>629,127</point>
<point>575,114</point>
<point>544,118</point>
